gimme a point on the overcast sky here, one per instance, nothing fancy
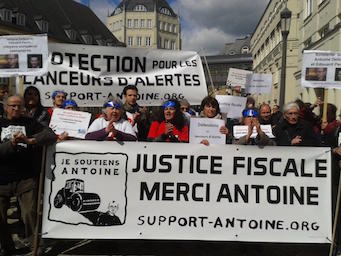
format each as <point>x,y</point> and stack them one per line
<point>206,24</point>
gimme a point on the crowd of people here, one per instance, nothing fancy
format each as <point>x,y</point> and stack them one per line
<point>24,128</point>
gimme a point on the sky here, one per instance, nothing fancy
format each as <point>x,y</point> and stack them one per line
<point>206,24</point>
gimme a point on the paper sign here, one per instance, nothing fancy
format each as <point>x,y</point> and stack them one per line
<point>242,130</point>
<point>321,69</point>
<point>75,123</point>
<point>23,55</point>
<point>232,105</point>
<point>259,83</point>
<point>237,77</point>
<point>206,129</point>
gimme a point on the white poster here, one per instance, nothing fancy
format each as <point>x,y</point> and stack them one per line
<point>90,74</point>
<point>106,190</point>
<point>232,105</point>
<point>237,77</point>
<point>321,69</point>
<point>75,123</point>
<point>206,129</point>
<point>242,130</point>
<point>259,83</point>
<point>23,55</point>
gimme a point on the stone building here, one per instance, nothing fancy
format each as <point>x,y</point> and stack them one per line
<point>146,24</point>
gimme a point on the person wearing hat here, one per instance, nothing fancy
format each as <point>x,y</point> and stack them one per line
<point>170,126</point>
<point>112,125</point>
<point>70,104</point>
<point>58,98</point>
<point>250,119</point>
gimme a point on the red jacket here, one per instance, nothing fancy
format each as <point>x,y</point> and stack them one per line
<point>158,129</point>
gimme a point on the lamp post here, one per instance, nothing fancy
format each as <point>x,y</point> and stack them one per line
<point>285,26</point>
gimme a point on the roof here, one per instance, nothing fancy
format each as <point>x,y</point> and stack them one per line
<point>236,46</point>
<point>59,14</point>
<point>149,4</point>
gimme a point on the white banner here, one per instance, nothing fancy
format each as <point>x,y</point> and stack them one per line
<point>206,129</point>
<point>232,105</point>
<point>105,190</point>
<point>75,123</point>
<point>259,83</point>
<point>90,74</point>
<point>237,77</point>
<point>321,69</point>
<point>242,130</point>
<point>23,55</point>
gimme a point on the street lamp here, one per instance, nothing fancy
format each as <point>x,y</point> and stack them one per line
<point>285,26</point>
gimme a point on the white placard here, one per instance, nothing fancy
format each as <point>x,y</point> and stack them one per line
<point>232,105</point>
<point>75,123</point>
<point>187,192</point>
<point>259,83</point>
<point>237,77</point>
<point>206,129</point>
<point>321,69</point>
<point>90,74</point>
<point>23,55</point>
<point>242,130</point>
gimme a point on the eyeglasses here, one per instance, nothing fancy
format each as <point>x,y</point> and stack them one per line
<point>13,106</point>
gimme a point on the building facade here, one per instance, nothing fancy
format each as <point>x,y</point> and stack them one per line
<point>266,48</point>
<point>146,24</point>
<point>319,29</point>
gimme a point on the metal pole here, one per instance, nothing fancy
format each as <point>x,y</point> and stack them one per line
<point>283,72</point>
<point>209,74</point>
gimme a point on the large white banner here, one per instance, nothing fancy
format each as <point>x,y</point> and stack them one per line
<point>90,74</point>
<point>321,69</point>
<point>177,191</point>
<point>23,55</point>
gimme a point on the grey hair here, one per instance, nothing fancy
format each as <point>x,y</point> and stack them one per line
<point>289,106</point>
<point>5,102</point>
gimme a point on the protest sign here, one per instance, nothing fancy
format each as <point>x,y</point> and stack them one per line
<point>90,74</point>
<point>105,190</point>
<point>206,129</point>
<point>23,55</point>
<point>237,77</point>
<point>242,130</point>
<point>75,123</point>
<point>321,69</point>
<point>232,105</point>
<point>258,83</point>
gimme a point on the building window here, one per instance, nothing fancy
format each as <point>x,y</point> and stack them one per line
<point>142,23</point>
<point>245,49</point>
<point>172,45</point>
<point>169,27</point>
<point>159,41</point>
<point>87,39</point>
<point>117,11</point>
<point>71,34</point>
<point>20,19</point>
<point>100,42</point>
<point>43,25</point>
<point>136,23</point>
<point>149,23</point>
<point>174,28</point>
<point>6,15</point>
<point>307,42</point>
<point>148,41</point>
<point>129,23</point>
<point>165,11</point>
<point>309,7</point>
<point>140,8</point>
<point>139,40</point>
<point>160,25</point>
<point>165,44</point>
<point>164,27</point>
<point>324,30</point>
<point>232,53</point>
<point>130,40</point>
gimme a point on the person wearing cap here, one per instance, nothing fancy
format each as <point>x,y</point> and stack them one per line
<point>210,109</point>
<point>111,126</point>
<point>293,131</point>
<point>58,98</point>
<point>170,126</point>
<point>250,119</point>
<point>70,104</point>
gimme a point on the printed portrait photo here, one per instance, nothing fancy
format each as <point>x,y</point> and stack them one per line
<point>34,61</point>
<point>9,61</point>
<point>338,74</point>
<point>316,74</point>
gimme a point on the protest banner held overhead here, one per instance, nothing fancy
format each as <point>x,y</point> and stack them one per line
<point>232,105</point>
<point>220,192</point>
<point>321,69</point>
<point>90,74</point>
<point>258,83</point>
<point>23,55</point>
<point>237,77</point>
